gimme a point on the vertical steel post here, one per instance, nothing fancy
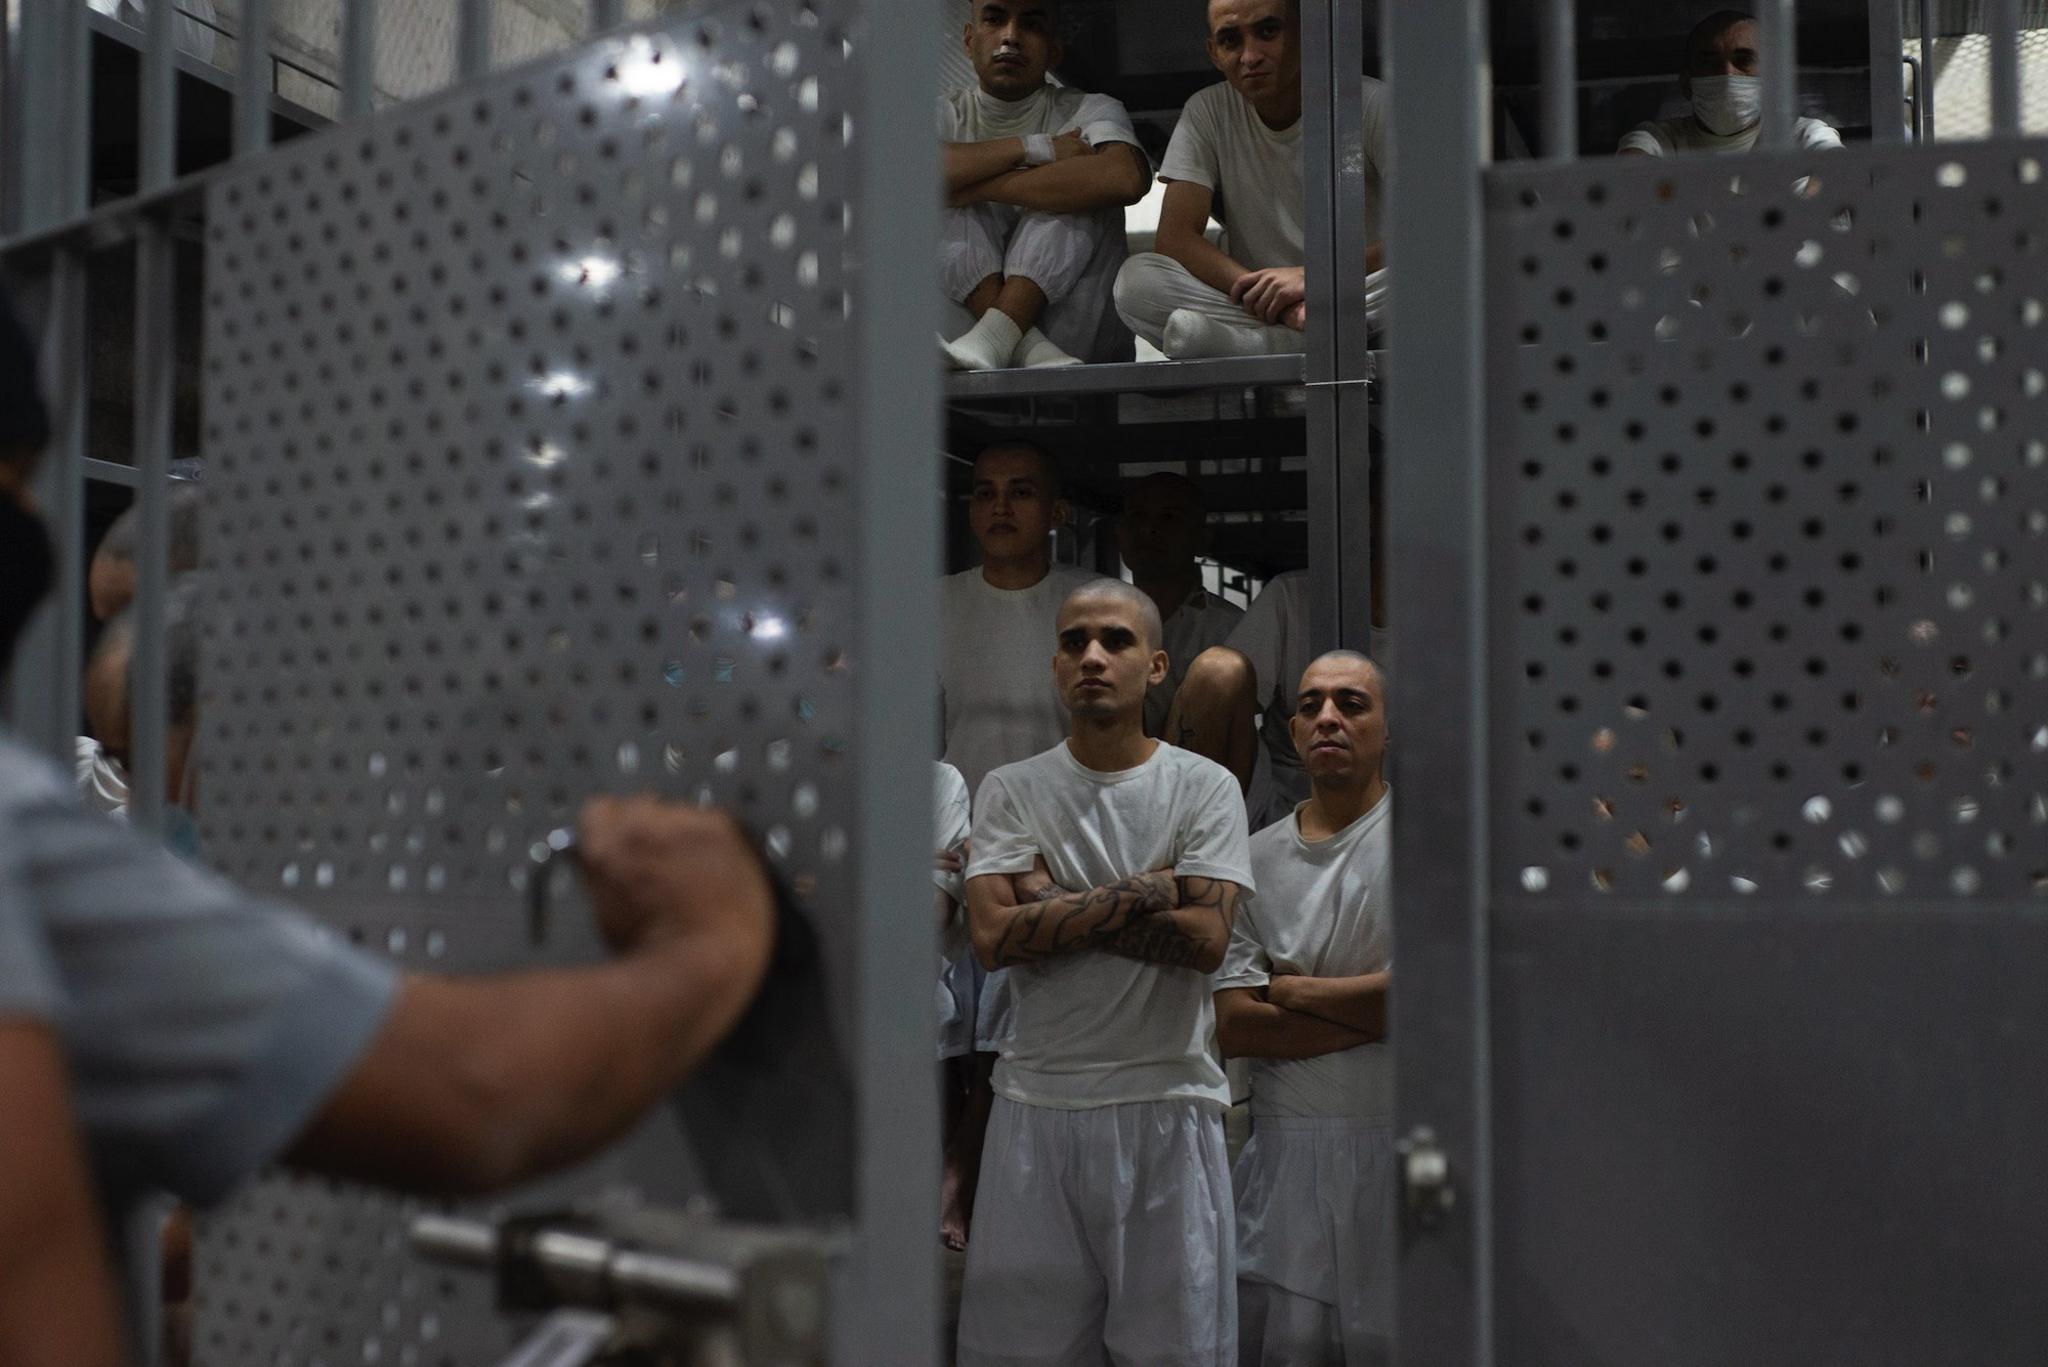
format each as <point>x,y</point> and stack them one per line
<point>1328,574</point>
<point>157,130</point>
<point>1779,35</point>
<point>252,80</point>
<point>1887,72</point>
<point>893,1295</point>
<point>54,59</point>
<point>1353,455</point>
<point>1560,80</point>
<point>47,666</point>
<point>358,57</point>
<point>2002,18</point>
<point>1925,94</point>
<point>1437,572</point>
<point>155,296</point>
<point>472,39</point>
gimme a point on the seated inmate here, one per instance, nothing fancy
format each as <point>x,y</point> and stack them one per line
<point>1037,178</point>
<point>1237,155</point>
<point>1719,77</point>
<point>1104,874</point>
<point>1303,994</point>
<point>1161,536</point>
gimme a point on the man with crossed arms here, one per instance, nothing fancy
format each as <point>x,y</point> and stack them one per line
<point>1104,875</point>
<point>1303,993</point>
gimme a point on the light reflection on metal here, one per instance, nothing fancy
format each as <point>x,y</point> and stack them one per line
<point>562,384</point>
<point>546,455</point>
<point>646,71</point>
<point>768,627</point>
<point>595,270</point>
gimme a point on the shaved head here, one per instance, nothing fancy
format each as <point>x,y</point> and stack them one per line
<point>1131,596</point>
<point>1353,657</point>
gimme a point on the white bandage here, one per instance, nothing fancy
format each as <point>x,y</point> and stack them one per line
<point>1037,149</point>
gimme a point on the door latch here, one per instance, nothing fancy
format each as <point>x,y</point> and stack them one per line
<point>1427,1189</point>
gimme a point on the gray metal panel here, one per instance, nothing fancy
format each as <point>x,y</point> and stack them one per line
<point>1129,377</point>
<point>526,411</point>
<point>1772,509</point>
<point>1754,1136</point>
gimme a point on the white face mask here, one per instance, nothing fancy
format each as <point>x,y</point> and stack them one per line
<point>1727,104</point>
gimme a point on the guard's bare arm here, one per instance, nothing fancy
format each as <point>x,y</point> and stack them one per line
<point>1113,177</point>
<point>1193,934</point>
<point>57,1298</point>
<point>1250,1026</point>
<point>1359,1002</point>
<point>1183,218</point>
<point>477,1084</point>
<point>1010,928</point>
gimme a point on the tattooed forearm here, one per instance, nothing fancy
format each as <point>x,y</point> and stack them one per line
<point>1065,922</point>
<point>1156,940</point>
<point>1193,934</point>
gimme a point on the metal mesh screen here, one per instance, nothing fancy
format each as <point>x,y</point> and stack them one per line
<point>525,410</point>
<point>1770,512</point>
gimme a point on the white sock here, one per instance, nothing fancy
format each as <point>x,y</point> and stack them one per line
<point>1192,335</point>
<point>1039,352</point>
<point>988,345</point>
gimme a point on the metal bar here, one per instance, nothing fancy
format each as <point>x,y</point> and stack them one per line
<point>891,1306</point>
<point>1916,102</point>
<point>1437,573</point>
<point>55,65</point>
<point>1128,377</point>
<point>157,130</point>
<point>2002,17</point>
<point>252,81</point>
<point>1560,80</point>
<point>112,472</point>
<point>1927,70</point>
<point>1350,241</point>
<point>1327,573</point>
<point>45,697</point>
<point>358,57</point>
<point>472,39</point>
<point>108,223</point>
<point>1887,73</point>
<point>149,691</point>
<point>1779,37</point>
<point>606,15</point>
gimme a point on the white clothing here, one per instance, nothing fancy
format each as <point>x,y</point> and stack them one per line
<point>1274,636</point>
<point>1255,172</point>
<point>102,782</point>
<point>1322,911</point>
<point>1315,1244</point>
<point>950,827</point>
<point>1666,137</point>
<point>1101,1236</point>
<point>1202,621</point>
<point>1151,288</point>
<point>997,700</point>
<point>998,703</point>
<point>1095,1028</point>
<point>1072,257</point>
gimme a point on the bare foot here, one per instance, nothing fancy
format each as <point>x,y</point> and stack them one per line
<point>952,1210</point>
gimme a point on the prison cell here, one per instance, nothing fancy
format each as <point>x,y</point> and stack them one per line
<point>1714,526</point>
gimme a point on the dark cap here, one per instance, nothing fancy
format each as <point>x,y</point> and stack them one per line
<point>24,422</point>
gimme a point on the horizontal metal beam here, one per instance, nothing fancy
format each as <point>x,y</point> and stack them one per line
<point>112,472</point>
<point>1128,377</point>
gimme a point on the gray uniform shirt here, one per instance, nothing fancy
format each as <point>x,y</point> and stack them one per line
<point>202,1027</point>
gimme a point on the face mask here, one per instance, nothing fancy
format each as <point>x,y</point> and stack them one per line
<point>1727,104</point>
<point>28,567</point>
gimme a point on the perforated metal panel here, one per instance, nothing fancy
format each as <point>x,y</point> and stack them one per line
<point>527,413</point>
<point>1770,511</point>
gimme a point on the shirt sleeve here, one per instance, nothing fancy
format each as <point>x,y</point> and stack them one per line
<point>1191,152</point>
<point>204,1027</point>
<point>1815,135</point>
<point>1643,137</point>
<point>1102,119</point>
<point>1245,963</point>
<point>1002,841</point>
<point>1215,840</point>
<point>1258,636</point>
<point>950,827</point>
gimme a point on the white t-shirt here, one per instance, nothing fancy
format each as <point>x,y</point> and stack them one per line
<point>1222,143</point>
<point>955,998</point>
<point>971,114</point>
<point>1273,635</point>
<point>997,700</point>
<point>1664,137</point>
<point>1094,1028</point>
<point>1204,620</point>
<point>1322,910</point>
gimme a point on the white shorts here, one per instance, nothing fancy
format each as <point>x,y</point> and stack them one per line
<point>1315,1243</point>
<point>1101,1235</point>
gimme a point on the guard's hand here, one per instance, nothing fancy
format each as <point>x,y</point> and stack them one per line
<point>1270,295</point>
<point>1069,145</point>
<point>660,871</point>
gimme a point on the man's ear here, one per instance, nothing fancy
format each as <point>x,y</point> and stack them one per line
<point>1161,666</point>
<point>1215,57</point>
<point>1062,512</point>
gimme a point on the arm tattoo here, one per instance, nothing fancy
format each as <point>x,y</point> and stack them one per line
<point>1177,940</point>
<point>1060,923</point>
